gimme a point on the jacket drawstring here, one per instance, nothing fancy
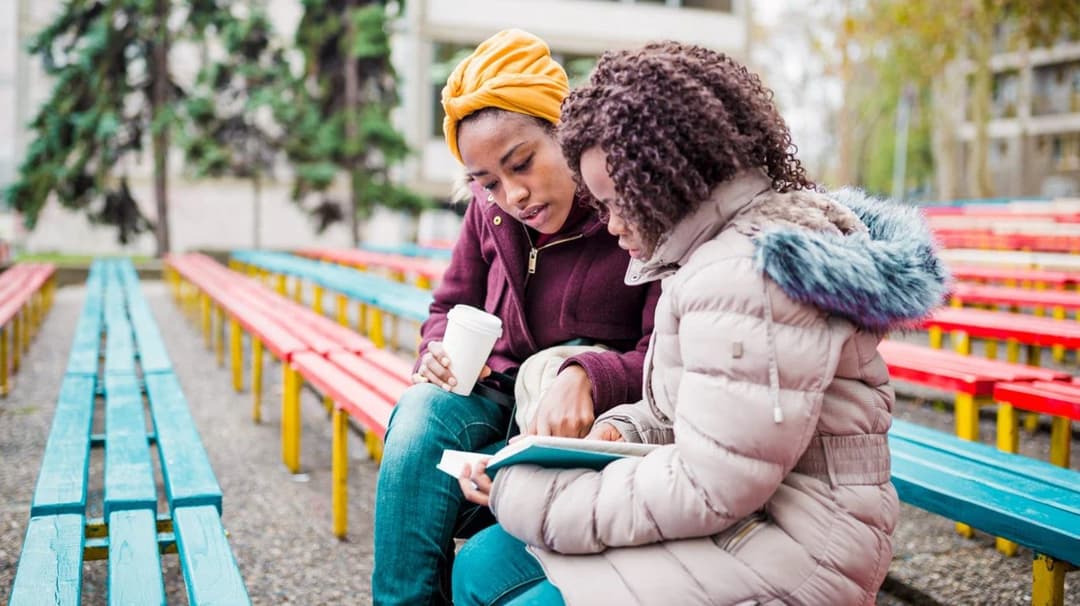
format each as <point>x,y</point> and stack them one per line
<point>770,344</point>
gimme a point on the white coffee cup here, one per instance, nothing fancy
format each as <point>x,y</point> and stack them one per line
<point>470,335</point>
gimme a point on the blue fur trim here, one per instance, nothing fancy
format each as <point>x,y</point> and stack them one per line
<point>887,278</point>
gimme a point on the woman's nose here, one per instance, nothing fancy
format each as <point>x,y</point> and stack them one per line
<point>516,193</point>
<point>615,225</point>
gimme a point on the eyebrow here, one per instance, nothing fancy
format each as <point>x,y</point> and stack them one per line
<point>503,160</point>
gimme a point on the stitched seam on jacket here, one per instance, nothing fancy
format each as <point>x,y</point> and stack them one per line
<point>818,564</point>
<point>689,426</point>
<point>697,485</point>
<point>548,499</point>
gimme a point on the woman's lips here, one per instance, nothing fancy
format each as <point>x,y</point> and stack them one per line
<point>534,215</point>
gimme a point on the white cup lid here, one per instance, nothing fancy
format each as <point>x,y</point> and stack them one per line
<point>476,319</point>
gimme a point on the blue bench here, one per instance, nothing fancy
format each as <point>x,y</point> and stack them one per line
<point>380,294</point>
<point>132,534</point>
<point>410,250</point>
<point>1016,498</point>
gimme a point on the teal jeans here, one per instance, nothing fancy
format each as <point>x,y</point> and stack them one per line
<point>496,569</point>
<point>418,508</point>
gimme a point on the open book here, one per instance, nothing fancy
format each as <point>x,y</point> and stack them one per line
<point>547,451</point>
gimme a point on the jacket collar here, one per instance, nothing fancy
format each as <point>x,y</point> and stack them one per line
<point>702,225</point>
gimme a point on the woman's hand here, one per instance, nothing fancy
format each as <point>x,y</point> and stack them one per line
<point>475,484</point>
<point>567,407</point>
<point>435,367</point>
<point>605,432</point>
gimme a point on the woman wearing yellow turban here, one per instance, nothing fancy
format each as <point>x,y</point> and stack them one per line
<point>532,251</point>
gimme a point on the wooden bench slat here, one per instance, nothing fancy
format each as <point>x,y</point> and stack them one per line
<point>134,561</point>
<point>62,481</point>
<point>369,408</point>
<point>1000,478</point>
<point>210,570</point>
<point>50,566</point>
<point>129,478</point>
<point>368,371</point>
<point>1058,399</point>
<point>188,477</point>
<point>1035,525</point>
<point>984,454</point>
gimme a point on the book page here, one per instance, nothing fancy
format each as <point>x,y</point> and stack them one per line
<point>453,461</point>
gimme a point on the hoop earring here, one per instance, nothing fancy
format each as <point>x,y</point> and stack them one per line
<point>491,198</point>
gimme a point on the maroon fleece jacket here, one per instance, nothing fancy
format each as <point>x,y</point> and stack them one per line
<point>577,288</point>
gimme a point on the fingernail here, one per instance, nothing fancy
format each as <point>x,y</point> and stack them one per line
<point>453,381</point>
<point>446,361</point>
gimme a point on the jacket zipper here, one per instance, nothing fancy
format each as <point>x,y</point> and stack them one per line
<point>741,532</point>
<point>534,252</point>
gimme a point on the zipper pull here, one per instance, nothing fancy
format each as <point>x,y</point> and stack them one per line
<point>533,253</point>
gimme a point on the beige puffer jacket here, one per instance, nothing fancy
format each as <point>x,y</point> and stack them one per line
<point>763,376</point>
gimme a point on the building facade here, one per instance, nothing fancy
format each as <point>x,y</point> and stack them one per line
<point>1034,124</point>
<point>434,35</point>
<point>427,41</point>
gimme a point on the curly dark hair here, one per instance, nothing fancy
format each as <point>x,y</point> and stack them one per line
<point>675,121</point>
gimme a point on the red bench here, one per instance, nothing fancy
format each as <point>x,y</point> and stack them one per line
<point>26,295</point>
<point>1059,400</point>
<point>1058,301</point>
<point>356,379</point>
<point>1015,329</point>
<point>1037,278</point>
<point>425,272</point>
<point>970,379</point>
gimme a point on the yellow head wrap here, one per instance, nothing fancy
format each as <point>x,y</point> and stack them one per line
<point>512,70</point>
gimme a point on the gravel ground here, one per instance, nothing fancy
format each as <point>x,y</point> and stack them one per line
<point>279,524</point>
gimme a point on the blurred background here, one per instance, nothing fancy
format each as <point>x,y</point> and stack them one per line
<point>138,127</point>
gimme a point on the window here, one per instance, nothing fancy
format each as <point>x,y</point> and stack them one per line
<point>445,58</point>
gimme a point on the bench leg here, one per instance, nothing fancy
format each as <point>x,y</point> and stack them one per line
<point>990,348</point>
<point>374,446</point>
<point>961,342</point>
<point>423,282</point>
<point>4,381</point>
<point>375,328</point>
<point>298,290</point>
<point>1060,438</point>
<point>339,488</point>
<point>219,336</point>
<point>290,418</point>
<point>316,299</point>
<point>1012,351</point>
<point>207,323</point>
<point>342,305</point>
<point>361,319</point>
<point>1008,440</point>
<point>328,404</point>
<point>256,378</point>
<point>1058,351</point>
<point>280,285</point>
<point>395,326</point>
<point>236,352</point>
<point>967,428</point>
<point>936,337</point>
<point>1048,582</point>
<point>16,348</point>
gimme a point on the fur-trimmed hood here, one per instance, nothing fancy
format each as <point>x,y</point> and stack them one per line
<point>882,276</point>
<point>870,261</point>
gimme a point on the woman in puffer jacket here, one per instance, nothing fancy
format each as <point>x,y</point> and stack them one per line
<point>762,379</point>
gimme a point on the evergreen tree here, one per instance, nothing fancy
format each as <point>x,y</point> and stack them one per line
<point>337,116</point>
<point>112,89</point>
<point>229,113</point>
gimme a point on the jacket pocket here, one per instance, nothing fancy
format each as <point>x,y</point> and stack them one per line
<point>731,539</point>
